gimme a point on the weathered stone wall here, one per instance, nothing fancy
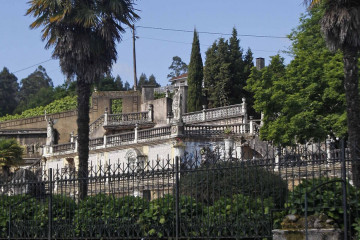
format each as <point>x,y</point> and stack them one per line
<point>65,122</point>
<point>161,108</point>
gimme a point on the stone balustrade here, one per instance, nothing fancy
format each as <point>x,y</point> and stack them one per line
<point>96,124</point>
<point>215,130</point>
<point>214,114</point>
<point>64,147</point>
<point>127,118</point>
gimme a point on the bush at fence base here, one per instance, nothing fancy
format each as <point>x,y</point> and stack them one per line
<point>160,218</point>
<point>29,216</point>
<point>240,216</point>
<point>226,179</point>
<point>324,201</point>
<point>105,215</point>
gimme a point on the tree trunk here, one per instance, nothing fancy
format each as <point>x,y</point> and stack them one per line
<point>83,91</point>
<point>352,109</point>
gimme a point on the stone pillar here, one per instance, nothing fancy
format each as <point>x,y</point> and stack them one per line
<point>262,119</point>
<point>252,131</point>
<point>72,136</point>
<point>136,133</point>
<point>229,148</point>
<point>106,117</point>
<point>151,112</point>
<point>204,113</point>
<point>76,145</point>
<point>328,149</point>
<point>177,129</point>
<point>243,110</point>
<point>105,141</point>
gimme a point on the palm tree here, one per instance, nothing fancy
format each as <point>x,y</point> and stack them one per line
<point>340,25</point>
<point>10,155</point>
<point>84,35</point>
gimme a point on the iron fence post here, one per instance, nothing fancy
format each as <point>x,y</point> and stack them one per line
<point>177,221</point>
<point>344,192</point>
<point>9,234</point>
<point>50,204</point>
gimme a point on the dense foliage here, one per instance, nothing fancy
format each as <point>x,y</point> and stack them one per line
<point>144,81</point>
<point>212,182</point>
<point>225,72</point>
<point>177,67</point>
<point>8,92</point>
<point>61,105</point>
<point>304,100</point>
<point>195,77</point>
<point>324,196</point>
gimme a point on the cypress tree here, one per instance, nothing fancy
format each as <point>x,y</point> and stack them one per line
<point>195,77</point>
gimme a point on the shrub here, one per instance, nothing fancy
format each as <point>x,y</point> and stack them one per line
<point>324,200</point>
<point>211,182</point>
<point>160,218</point>
<point>29,216</point>
<point>240,216</point>
<point>103,215</point>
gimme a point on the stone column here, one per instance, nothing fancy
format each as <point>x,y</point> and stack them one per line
<point>229,148</point>
<point>106,117</point>
<point>136,133</point>
<point>151,113</point>
<point>243,110</point>
<point>204,113</point>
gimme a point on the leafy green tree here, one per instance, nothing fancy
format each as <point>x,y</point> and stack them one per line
<point>8,92</point>
<point>90,29</point>
<point>177,67</point>
<point>226,71</point>
<point>304,100</point>
<point>341,29</point>
<point>195,77</point>
<point>107,83</point>
<point>33,83</point>
<point>10,154</point>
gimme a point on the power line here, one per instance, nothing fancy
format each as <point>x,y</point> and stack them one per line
<point>212,33</point>
<point>165,40</point>
<point>33,65</point>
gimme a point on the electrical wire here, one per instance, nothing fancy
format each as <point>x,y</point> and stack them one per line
<point>33,65</point>
<point>212,33</point>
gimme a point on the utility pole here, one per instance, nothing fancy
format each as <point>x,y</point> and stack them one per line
<point>134,57</point>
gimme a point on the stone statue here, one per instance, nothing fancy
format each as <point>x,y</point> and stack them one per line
<point>50,132</point>
<point>176,106</point>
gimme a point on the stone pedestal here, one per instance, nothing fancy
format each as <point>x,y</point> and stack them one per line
<point>313,234</point>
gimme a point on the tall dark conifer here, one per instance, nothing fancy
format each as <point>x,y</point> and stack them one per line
<point>238,81</point>
<point>195,77</point>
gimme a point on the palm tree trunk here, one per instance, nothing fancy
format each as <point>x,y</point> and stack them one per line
<point>352,109</point>
<point>83,91</point>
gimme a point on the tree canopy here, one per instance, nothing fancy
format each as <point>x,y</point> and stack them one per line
<point>304,100</point>
<point>8,92</point>
<point>177,67</point>
<point>225,73</point>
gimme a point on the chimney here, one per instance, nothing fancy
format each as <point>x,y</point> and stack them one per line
<point>260,63</point>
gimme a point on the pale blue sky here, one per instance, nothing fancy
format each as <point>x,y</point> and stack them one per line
<point>21,47</point>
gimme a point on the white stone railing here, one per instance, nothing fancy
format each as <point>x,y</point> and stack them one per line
<point>120,139</point>
<point>214,114</point>
<point>154,133</point>
<point>216,130</point>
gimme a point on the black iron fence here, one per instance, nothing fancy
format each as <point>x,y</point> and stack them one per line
<point>200,196</point>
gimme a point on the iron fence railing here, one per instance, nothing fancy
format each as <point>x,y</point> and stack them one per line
<point>199,196</point>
